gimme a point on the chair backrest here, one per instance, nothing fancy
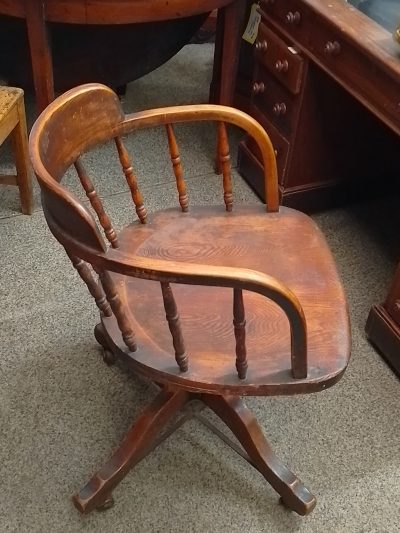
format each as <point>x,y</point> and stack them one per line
<point>91,114</point>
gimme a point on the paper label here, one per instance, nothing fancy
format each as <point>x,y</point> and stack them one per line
<point>251,31</point>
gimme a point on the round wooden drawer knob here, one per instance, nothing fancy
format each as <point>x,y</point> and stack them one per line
<point>258,87</point>
<point>293,17</point>
<point>279,109</point>
<point>262,46</point>
<point>332,48</point>
<point>281,66</point>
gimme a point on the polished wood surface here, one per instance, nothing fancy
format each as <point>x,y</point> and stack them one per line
<point>114,54</point>
<point>250,302</point>
<point>210,236</point>
<point>39,14</point>
<point>323,83</point>
<point>112,11</point>
<point>13,125</point>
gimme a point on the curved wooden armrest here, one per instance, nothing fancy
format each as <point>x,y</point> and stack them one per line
<point>239,278</point>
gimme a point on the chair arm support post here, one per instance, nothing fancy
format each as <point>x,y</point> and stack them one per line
<point>235,278</point>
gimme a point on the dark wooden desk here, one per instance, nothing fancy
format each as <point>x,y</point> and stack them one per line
<point>324,80</point>
<point>38,13</point>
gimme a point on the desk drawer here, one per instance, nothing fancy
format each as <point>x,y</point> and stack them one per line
<point>281,60</point>
<point>281,148</point>
<point>365,78</point>
<point>287,12</point>
<point>366,72</point>
<point>275,102</point>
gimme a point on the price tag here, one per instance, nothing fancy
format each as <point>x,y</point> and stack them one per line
<point>251,31</point>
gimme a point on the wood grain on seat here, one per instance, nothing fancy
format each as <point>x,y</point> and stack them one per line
<point>284,245</point>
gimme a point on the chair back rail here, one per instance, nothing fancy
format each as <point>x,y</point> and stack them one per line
<point>118,309</point>
<point>97,204</point>
<point>131,180</point>
<point>95,289</point>
<point>177,167</point>
<point>225,164</point>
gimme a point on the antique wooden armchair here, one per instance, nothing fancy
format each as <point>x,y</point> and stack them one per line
<point>269,266</point>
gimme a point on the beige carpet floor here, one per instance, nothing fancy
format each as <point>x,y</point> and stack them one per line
<point>62,410</point>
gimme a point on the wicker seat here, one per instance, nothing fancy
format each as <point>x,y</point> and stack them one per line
<point>13,123</point>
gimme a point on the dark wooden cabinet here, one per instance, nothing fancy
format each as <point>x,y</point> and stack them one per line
<point>383,325</point>
<point>324,80</point>
<point>328,95</point>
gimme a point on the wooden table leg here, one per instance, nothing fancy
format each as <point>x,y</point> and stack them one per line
<point>41,60</point>
<point>19,140</point>
<point>230,25</point>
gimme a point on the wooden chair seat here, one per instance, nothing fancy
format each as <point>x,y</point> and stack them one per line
<point>286,245</point>
<point>211,303</point>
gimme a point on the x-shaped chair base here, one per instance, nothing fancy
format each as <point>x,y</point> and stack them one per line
<point>147,433</point>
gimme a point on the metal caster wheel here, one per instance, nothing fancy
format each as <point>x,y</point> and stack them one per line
<point>281,502</point>
<point>108,357</point>
<point>107,504</point>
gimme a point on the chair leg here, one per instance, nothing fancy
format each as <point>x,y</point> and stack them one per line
<point>20,148</point>
<point>139,441</point>
<point>240,420</point>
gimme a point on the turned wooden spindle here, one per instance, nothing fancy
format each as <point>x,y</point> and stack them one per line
<point>172,315</point>
<point>118,310</point>
<point>94,287</point>
<point>217,161</point>
<point>239,323</point>
<point>224,160</point>
<point>97,204</point>
<point>131,180</point>
<point>178,171</point>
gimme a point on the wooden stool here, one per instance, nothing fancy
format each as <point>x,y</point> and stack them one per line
<point>13,122</point>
